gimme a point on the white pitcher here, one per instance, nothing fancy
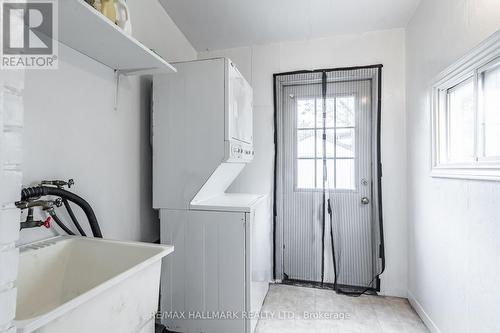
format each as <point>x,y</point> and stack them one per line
<point>123,16</point>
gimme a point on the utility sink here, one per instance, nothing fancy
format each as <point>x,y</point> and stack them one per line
<point>78,284</point>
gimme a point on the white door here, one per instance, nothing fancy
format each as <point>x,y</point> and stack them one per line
<point>348,158</point>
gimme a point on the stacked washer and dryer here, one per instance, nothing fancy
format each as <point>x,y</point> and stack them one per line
<point>202,130</point>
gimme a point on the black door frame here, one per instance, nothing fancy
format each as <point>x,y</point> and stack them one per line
<point>379,162</point>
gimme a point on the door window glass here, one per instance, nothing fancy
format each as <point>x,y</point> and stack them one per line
<point>340,143</point>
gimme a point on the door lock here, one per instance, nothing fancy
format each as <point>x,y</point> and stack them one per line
<point>365,200</point>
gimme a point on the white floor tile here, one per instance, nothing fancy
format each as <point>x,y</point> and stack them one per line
<point>323,311</point>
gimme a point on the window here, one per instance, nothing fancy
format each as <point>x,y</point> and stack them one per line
<point>489,113</point>
<point>340,143</point>
<point>459,128</point>
<point>466,118</point>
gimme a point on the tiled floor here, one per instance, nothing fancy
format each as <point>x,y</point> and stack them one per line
<point>360,314</point>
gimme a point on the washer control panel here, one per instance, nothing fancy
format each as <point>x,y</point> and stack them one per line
<point>238,152</point>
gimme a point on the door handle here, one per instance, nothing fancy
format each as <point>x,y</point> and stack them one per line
<point>365,200</point>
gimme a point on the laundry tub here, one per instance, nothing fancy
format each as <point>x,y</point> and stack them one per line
<point>77,284</point>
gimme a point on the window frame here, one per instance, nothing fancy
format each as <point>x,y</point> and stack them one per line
<point>479,61</point>
<point>489,67</point>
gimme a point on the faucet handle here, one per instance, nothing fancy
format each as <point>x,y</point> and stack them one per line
<point>46,223</point>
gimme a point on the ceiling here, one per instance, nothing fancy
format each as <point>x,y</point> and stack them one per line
<point>219,24</point>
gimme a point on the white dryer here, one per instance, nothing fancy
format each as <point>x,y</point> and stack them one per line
<point>202,130</point>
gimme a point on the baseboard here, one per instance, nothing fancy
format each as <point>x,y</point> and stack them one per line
<point>421,312</point>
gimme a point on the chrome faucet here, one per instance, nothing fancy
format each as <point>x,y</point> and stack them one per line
<point>46,205</point>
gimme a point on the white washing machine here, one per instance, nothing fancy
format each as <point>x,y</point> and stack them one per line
<point>202,130</point>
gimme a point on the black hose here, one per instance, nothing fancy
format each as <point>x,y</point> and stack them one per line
<point>330,213</point>
<point>34,192</point>
<point>60,223</point>
<point>73,217</point>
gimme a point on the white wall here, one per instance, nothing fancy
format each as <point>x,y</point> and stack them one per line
<point>72,130</point>
<point>454,225</point>
<point>258,63</point>
<point>11,143</point>
<point>154,28</point>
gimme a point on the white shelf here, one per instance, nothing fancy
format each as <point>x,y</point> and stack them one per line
<point>87,31</point>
